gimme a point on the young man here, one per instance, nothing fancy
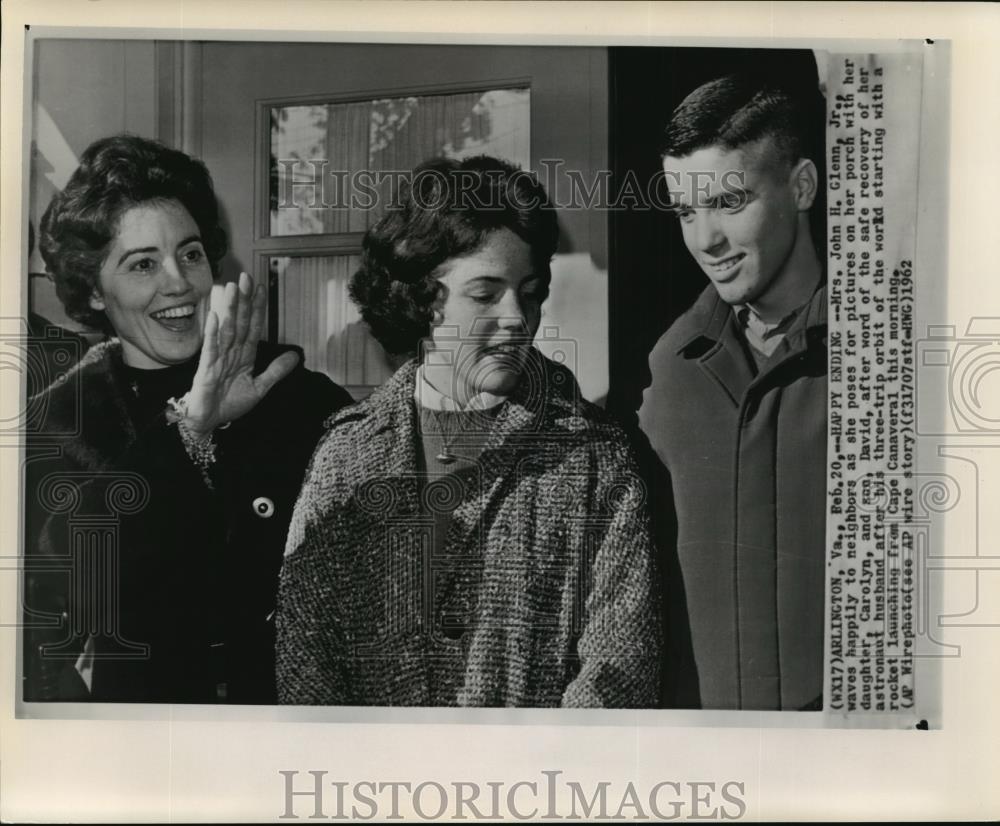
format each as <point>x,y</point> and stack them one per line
<point>736,409</point>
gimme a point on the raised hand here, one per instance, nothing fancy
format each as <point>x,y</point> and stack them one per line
<point>225,388</point>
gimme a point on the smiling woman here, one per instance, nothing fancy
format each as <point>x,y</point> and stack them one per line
<point>155,285</point>
<point>163,474</point>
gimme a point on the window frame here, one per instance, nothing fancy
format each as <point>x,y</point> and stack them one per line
<point>267,246</point>
<point>262,239</point>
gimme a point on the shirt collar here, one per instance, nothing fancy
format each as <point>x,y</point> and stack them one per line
<point>747,316</point>
<point>428,397</point>
<point>709,316</point>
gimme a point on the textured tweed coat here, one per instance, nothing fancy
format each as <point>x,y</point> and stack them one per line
<point>746,457</point>
<point>547,562</point>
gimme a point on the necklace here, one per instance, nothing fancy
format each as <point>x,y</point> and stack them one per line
<point>446,427</point>
<point>444,456</point>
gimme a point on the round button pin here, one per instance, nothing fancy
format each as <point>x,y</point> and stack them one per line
<point>263,507</point>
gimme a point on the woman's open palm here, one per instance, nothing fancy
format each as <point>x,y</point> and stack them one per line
<point>225,387</point>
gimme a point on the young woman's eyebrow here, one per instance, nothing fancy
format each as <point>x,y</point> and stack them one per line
<point>480,280</point>
<point>496,280</point>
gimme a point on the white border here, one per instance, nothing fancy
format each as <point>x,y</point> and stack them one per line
<point>222,763</point>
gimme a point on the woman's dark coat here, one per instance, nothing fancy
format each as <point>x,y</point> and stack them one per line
<point>126,544</point>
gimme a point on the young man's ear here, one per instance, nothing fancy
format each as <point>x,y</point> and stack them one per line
<point>804,180</point>
<point>96,301</point>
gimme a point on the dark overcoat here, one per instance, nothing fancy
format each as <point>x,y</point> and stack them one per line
<point>169,584</point>
<point>745,455</point>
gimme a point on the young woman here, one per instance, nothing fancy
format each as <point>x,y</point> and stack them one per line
<point>474,533</point>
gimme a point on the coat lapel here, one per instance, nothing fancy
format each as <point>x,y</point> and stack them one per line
<point>390,451</point>
<point>724,362</point>
<point>806,331</point>
<point>727,365</point>
<point>86,414</point>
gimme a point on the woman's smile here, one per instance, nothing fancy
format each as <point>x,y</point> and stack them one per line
<point>178,319</point>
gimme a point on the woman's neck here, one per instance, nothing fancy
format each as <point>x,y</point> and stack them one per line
<point>433,390</point>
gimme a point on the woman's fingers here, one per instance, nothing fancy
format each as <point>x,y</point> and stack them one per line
<point>258,308</point>
<point>202,395</point>
<point>227,321</point>
<point>209,344</point>
<point>244,298</point>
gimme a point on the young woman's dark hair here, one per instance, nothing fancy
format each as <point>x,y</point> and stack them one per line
<point>448,209</point>
<point>116,174</point>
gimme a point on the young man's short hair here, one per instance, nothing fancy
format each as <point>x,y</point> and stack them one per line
<point>734,110</point>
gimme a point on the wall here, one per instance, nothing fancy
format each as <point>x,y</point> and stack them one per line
<point>83,90</point>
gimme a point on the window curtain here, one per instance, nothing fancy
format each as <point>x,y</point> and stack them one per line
<point>317,313</point>
<point>379,137</point>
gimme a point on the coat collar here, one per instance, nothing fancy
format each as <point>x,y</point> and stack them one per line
<point>709,317</point>
<point>429,397</point>
<point>547,395</point>
<point>708,331</point>
<point>86,412</point>
<point>384,440</point>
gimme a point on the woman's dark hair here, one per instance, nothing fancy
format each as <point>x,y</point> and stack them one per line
<point>116,174</point>
<point>448,209</point>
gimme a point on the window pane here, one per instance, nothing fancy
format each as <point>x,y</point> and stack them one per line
<point>316,313</point>
<point>333,166</point>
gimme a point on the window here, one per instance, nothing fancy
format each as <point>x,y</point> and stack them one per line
<point>316,312</point>
<point>332,169</point>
